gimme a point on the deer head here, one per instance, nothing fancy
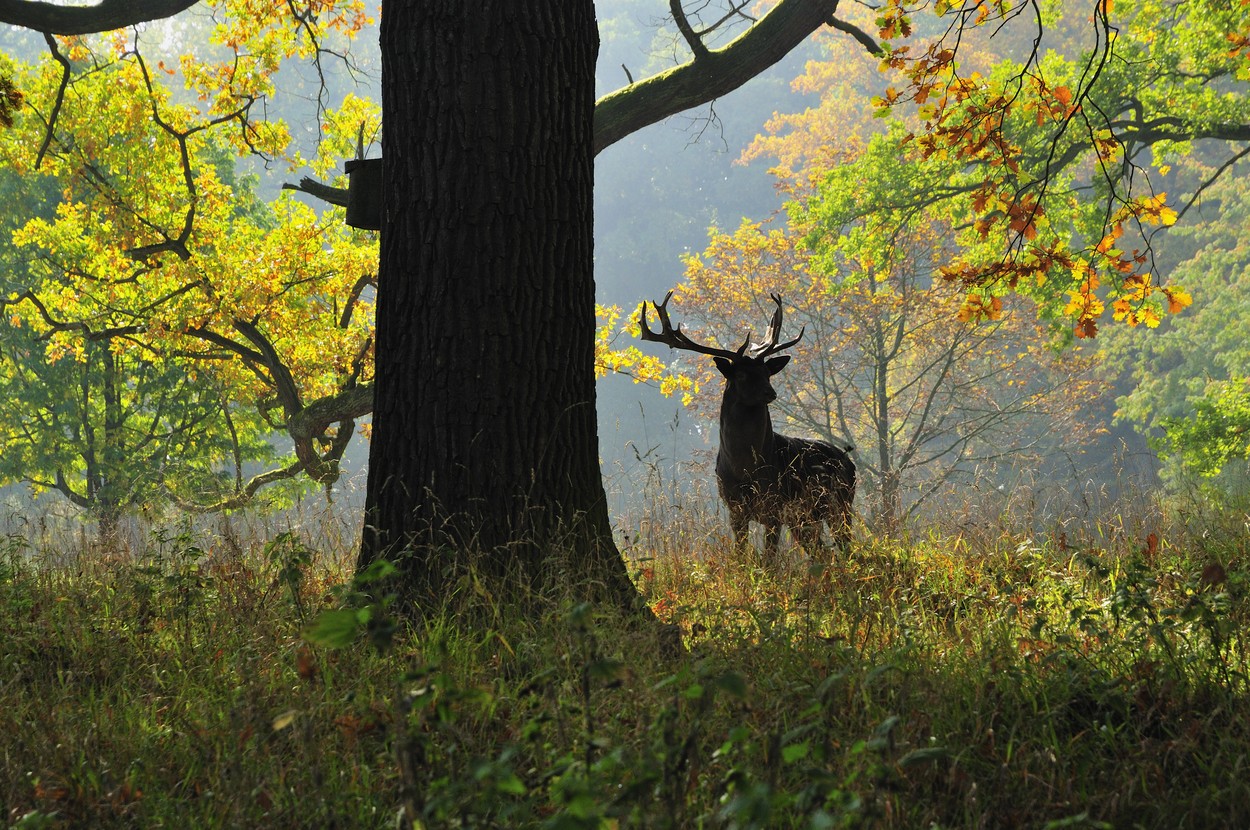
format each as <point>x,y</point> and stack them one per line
<point>748,370</point>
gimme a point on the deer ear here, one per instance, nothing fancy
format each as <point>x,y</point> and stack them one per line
<point>725,365</point>
<point>776,364</point>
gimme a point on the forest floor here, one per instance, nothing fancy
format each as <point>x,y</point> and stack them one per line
<point>990,680</point>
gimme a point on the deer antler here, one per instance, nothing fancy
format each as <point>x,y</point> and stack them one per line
<point>675,338</point>
<point>770,345</point>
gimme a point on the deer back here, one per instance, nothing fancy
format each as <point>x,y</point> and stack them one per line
<point>814,471</point>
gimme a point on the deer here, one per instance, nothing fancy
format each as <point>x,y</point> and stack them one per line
<point>771,479</point>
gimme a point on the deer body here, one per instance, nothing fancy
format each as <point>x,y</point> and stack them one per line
<point>762,476</point>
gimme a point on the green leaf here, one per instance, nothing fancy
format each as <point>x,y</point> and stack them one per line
<point>511,785</point>
<point>886,726</point>
<point>333,629</point>
<point>795,752</point>
<point>377,571</point>
<point>919,756</point>
<point>732,683</point>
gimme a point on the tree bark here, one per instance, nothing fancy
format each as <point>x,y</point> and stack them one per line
<point>485,433</point>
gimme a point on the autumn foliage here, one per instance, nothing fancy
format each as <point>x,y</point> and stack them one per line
<point>159,250</point>
<point>1058,130</point>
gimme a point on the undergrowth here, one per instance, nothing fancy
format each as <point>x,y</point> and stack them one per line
<point>938,682</point>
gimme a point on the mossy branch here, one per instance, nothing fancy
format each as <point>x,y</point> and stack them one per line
<point>710,74</point>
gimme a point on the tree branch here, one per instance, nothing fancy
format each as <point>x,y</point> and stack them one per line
<point>697,47</point>
<point>1202,188</point>
<point>243,495</point>
<point>311,423</point>
<point>75,498</point>
<point>60,98</point>
<point>324,192</point>
<point>84,20</point>
<point>709,76</point>
<point>315,418</point>
<point>859,34</point>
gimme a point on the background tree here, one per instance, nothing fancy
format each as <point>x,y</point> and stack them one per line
<point>1185,382</point>
<point>109,427</point>
<point>113,431</point>
<point>199,318</point>
<point>1216,433</point>
<point>930,396</point>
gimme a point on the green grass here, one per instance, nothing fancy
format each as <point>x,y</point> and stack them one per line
<point>939,682</point>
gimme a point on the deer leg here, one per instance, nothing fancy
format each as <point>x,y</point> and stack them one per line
<point>741,527</point>
<point>772,545</point>
<point>809,537</point>
<point>840,529</point>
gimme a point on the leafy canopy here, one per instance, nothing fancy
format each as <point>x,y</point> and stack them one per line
<point>162,255</point>
<point>1057,162</point>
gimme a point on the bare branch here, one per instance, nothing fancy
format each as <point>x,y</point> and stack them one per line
<point>700,125</point>
<point>696,44</point>
<point>859,34</point>
<point>734,11</point>
<point>60,97</point>
<point>324,192</point>
<point>1241,154</point>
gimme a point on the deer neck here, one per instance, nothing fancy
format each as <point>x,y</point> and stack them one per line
<point>746,435</point>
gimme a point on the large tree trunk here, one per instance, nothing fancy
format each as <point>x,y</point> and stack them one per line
<point>485,447</point>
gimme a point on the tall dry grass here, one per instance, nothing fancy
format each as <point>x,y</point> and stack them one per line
<point>1090,672</point>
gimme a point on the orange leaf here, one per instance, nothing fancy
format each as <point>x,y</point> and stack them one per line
<point>1178,299</point>
<point>306,664</point>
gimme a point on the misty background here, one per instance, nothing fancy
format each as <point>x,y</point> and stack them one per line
<point>657,192</point>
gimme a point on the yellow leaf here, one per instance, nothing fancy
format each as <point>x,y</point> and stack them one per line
<point>284,720</point>
<point>1122,309</point>
<point>1178,299</point>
